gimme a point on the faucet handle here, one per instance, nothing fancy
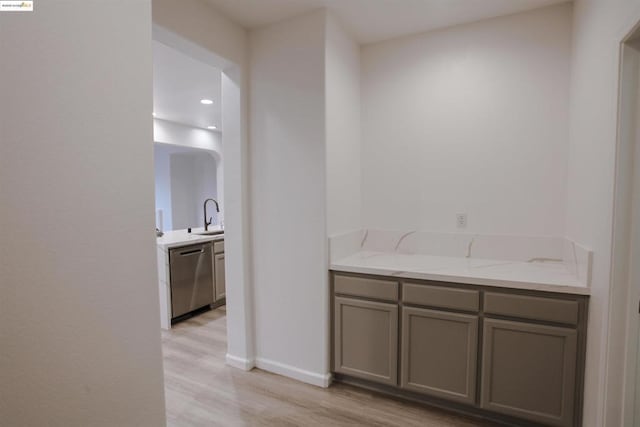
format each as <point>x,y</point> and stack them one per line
<point>210,220</point>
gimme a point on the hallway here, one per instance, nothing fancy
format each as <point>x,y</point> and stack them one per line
<point>202,391</point>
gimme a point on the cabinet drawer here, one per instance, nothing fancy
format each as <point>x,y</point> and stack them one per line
<point>529,307</point>
<point>364,287</point>
<point>218,246</point>
<point>440,296</point>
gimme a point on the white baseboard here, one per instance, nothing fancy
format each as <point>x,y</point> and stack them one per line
<point>313,378</point>
<point>239,362</point>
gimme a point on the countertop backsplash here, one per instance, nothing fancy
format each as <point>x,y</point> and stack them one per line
<point>527,249</point>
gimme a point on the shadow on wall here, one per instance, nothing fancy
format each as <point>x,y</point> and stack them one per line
<point>184,178</point>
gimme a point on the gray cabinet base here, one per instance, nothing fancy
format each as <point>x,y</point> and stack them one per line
<point>514,357</point>
<point>485,417</point>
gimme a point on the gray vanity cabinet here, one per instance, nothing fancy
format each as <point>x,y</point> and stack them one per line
<point>366,339</point>
<point>439,353</point>
<point>513,356</point>
<point>529,371</point>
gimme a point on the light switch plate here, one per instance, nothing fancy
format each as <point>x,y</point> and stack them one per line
<point>461,220</point>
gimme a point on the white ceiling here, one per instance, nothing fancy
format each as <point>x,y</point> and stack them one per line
<point>376,20</point>
<point>179,83</point>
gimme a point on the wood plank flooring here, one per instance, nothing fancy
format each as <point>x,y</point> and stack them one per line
<point>202,391</point>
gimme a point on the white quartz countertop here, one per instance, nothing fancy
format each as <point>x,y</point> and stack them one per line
<point>550,276</point>
<point>177,238</point>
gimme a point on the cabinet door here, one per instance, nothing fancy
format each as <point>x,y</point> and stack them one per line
<point>529,371</point>
<point>220,284</point>
<point>366,340</point>
<point>439,353</point>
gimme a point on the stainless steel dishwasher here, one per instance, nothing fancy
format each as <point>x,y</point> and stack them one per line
<point>191,270</point>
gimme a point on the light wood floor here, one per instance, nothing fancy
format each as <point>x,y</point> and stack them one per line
<point>202,391</point>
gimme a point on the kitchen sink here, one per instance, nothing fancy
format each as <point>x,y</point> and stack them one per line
<point>209,233</point>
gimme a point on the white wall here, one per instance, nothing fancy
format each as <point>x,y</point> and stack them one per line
<point>193,180</point>
<point>288,197</point>
<point>182,194</point>
<point>470,119</point>
<point>162,168</point>
<point>237,214</point>
<point>343,144</point>
<point>183,198</point>
<point>79,295</point>
<point>167,132</point>
<point>200,23</point>
<point>598,30</point>
<point>204,171</point>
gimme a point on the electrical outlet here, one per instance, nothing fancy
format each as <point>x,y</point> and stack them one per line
<point>461,220</point>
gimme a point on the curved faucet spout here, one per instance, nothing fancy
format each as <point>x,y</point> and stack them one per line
<point>208,223</point>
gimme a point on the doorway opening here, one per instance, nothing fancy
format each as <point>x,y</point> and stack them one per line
<point>199,133</point>
<point>625,294</point>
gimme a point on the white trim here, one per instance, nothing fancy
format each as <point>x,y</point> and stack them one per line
<point>620,340</point>
<point>239,362</point>
<point>313,378</point>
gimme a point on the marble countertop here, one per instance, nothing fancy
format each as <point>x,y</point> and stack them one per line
<point>177,238</point>
<point>549,276</point>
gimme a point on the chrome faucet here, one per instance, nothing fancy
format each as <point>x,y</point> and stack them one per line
<point>208,223</point>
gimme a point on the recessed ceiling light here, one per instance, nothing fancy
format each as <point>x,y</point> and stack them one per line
<point>206,101</point>
<point>211,127</point>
